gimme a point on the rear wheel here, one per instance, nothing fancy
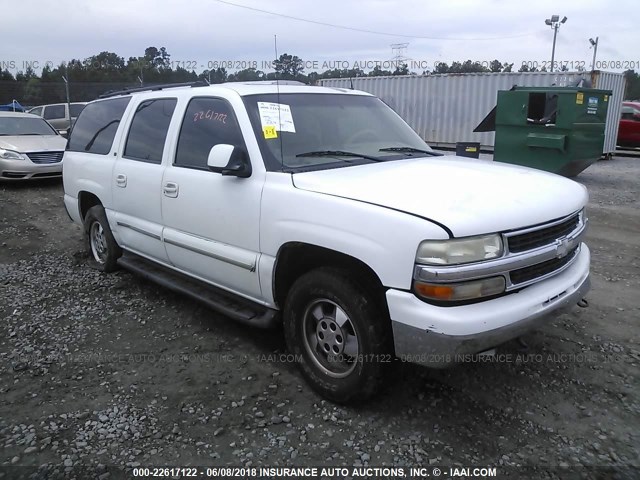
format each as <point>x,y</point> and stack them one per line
<point>102,247</point>
<point>341,333</point>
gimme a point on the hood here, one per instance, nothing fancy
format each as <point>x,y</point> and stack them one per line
<point>468,196</point>
<point>33,143</point>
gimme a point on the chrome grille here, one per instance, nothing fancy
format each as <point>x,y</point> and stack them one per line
<point>45,157</point>
<point>544,236</point>
<point>540,270</point>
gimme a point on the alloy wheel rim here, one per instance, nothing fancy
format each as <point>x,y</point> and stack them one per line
<point>330,338</point>
<point>98,242</point>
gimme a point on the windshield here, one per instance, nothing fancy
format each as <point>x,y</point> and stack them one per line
<point>316,128</point>
<point>25,126</point>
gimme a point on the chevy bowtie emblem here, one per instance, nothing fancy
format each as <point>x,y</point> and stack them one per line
<point>562,247</point>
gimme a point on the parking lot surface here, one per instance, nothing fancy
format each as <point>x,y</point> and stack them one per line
<point>108,369</point>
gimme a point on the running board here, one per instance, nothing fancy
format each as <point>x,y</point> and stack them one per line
<point>237,308</point>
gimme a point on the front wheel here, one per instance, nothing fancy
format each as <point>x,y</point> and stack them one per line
<point>341,334</point>
<point>102,247</point>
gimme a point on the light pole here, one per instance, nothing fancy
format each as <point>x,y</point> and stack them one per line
<point>66,87</point>
<point>141,77</point>
<point>554,22</point>
<point>594,44</point>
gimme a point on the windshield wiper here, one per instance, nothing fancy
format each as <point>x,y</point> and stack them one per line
<point>411,150</point>
<point>338,153</point>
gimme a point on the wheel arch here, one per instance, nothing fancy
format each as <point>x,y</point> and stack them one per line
<point>86,200</point>
<point>294,259</point>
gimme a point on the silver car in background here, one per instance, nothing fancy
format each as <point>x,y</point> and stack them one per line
<point>57,114</point>
<point>29,147</point>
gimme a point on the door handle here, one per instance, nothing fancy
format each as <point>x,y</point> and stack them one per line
<point>170,189</point>
<point>121,180</point>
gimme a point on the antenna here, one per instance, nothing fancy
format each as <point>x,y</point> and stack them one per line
<point>275,47</point>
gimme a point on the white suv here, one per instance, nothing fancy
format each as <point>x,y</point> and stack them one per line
<point>320,209</point>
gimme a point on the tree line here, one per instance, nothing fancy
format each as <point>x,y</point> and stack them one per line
<point>108,71</point>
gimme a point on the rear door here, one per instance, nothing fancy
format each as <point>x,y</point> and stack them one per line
<point>55,115</point>
<point>137,178</point>
<point>76,108</point>
<point>212,221</point>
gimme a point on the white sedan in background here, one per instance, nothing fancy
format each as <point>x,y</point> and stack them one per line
<point>29,147</point>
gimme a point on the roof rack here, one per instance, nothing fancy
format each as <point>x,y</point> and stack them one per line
<point>151,88</point>
<point>269,82</point>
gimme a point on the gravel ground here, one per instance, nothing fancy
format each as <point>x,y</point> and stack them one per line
<point>100,370</point>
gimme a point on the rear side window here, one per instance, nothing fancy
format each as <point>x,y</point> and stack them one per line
<point>53,111</point>
<point>628,113</point>
<point>207,122</point>
<point>96,126</point>
<point>148,130</point>
<point>76,108</point>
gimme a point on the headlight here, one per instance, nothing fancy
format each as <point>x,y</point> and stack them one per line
<point>459,250</point>
<point>11,155</point>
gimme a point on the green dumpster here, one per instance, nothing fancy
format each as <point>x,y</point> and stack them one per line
<point>557,129</point>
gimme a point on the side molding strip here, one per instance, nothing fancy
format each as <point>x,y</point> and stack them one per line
<point>247,266</point>
<point>139,230</point>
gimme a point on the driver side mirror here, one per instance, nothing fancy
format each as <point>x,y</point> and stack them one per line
<point>229,160</point>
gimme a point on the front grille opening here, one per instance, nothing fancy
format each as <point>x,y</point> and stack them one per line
<point>526,274</point>
<point>14,175</point>
<point>46,175</point>
<point>45,157</point>
<point>544,236</point>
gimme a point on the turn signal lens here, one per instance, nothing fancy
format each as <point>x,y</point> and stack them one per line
<point>454,292</point>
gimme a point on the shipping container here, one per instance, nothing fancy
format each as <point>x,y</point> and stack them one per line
<point>616,83</point>
<point>444,109</point>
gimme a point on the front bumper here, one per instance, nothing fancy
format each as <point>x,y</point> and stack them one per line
<point>25,170</point>
<point>439,336</point>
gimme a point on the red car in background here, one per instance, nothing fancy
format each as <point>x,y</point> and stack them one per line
<point>629,130</point>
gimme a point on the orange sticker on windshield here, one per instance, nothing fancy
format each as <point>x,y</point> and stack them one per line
<point>269,131</point>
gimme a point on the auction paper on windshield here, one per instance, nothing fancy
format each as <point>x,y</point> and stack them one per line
<point>274,114</point>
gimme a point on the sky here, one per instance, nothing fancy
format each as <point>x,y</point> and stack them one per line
<point>199,34</point>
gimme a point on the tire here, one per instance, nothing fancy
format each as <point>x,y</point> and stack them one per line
<point>101,246</point>
<point>326,310</point>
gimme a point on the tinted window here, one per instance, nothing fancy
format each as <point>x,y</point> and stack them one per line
<point>207,122</point>
<point>36,111</point>
<point>54,111</point>
<point>25,126</point>
<point>76,108</point>
<point>149,130</point>
<point>96,126</point>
